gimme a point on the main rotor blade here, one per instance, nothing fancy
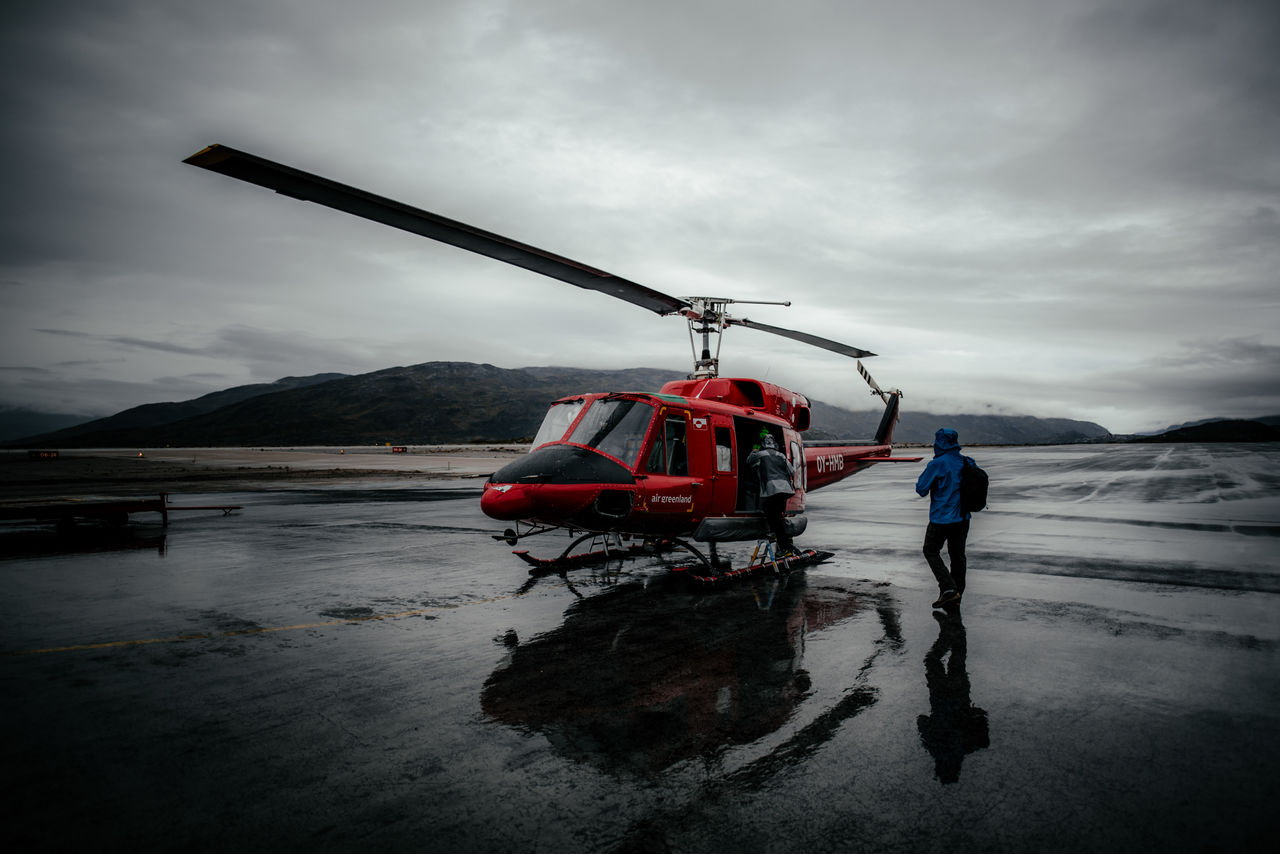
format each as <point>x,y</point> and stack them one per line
<point>816,341</point>
<point>312,188</point>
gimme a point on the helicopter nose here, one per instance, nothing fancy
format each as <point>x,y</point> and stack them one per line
<point>552,482</point>
<point>509,502</point>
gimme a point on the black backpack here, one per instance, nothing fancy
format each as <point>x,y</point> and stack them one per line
<point>973,487</point>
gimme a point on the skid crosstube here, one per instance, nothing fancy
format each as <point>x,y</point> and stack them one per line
<point>808,557</point>
<point>590,558</point>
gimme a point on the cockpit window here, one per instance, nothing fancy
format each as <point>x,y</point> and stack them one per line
<point>616,427</point>
<point>557,422</point>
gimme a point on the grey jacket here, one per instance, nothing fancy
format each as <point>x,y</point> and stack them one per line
<point>773,469</point>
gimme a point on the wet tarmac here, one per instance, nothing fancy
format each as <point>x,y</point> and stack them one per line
<point>360,666</point>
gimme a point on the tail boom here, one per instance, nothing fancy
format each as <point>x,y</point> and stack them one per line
<point>828,464</point>
<point>825,465</point>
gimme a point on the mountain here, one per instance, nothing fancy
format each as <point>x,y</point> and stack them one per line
<point>151,415</point>
<point>831,422</point>
<point>1270,420</point>
<point>1220,430</point>
<point>432,403</point>
<point>455,402</point>
<point>16,422</point>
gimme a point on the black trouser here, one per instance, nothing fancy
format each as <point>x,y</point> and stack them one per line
<point>775,508</point>
<point>954,536</point>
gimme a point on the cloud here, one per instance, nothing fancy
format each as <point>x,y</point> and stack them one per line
<point>1227,377</point>
<point>88,396</point>
<point>125,341</point>
<point>1018,205</point>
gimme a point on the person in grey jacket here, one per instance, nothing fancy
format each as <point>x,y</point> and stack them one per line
<point>776,476</point>
<point>948,523</point>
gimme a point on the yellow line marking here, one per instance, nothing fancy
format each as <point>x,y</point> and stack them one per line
<point>80,647</point>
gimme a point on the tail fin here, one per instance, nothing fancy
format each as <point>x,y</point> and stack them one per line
<point>884,433</point>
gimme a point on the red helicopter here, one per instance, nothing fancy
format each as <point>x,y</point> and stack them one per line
<point>657,467</point>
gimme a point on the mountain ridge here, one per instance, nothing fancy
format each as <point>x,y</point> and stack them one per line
<point>19,422</point>
<point>156,414</point>
<point>1218,430</point>
<point>459,402</point>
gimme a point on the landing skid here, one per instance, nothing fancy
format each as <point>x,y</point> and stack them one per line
<point>603,548</point>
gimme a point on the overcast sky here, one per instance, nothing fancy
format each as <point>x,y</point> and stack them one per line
<point>1050,208</point>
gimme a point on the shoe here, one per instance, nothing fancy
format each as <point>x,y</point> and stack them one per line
<point>947,598</point>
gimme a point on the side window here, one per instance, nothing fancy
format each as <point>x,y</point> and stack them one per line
<point>677,447</point>
<point>657,463</point>
<point>797,460</point>
<point>670,454</point>
<point>724,449</point>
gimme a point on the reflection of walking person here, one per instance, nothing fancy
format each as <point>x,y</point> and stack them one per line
<point>948,522</point>
<point>776,475</point>
<point>954,726</point>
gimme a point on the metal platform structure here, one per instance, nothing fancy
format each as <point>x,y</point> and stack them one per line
<point>66,511</point>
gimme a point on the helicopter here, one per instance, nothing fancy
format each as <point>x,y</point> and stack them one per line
<point>655,469</point>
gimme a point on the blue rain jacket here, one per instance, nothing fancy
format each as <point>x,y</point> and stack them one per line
<point>940,479</point>
<point>773,469</point>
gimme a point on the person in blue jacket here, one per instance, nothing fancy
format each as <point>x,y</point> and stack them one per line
<point>948,523</point>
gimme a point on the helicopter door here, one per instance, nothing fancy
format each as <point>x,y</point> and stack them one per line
<point>670,492</point>
<point>724,479</point>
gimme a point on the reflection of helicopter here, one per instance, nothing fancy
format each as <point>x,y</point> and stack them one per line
<point>636,683</point>
<point>658,465</point>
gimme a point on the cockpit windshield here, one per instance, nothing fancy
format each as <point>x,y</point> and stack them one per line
<point>616,427</point>
<point>557,421</point>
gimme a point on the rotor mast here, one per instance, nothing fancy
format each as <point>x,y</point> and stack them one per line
<point>706,316</point>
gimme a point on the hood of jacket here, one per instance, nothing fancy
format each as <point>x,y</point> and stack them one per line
<point>945,440</point>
